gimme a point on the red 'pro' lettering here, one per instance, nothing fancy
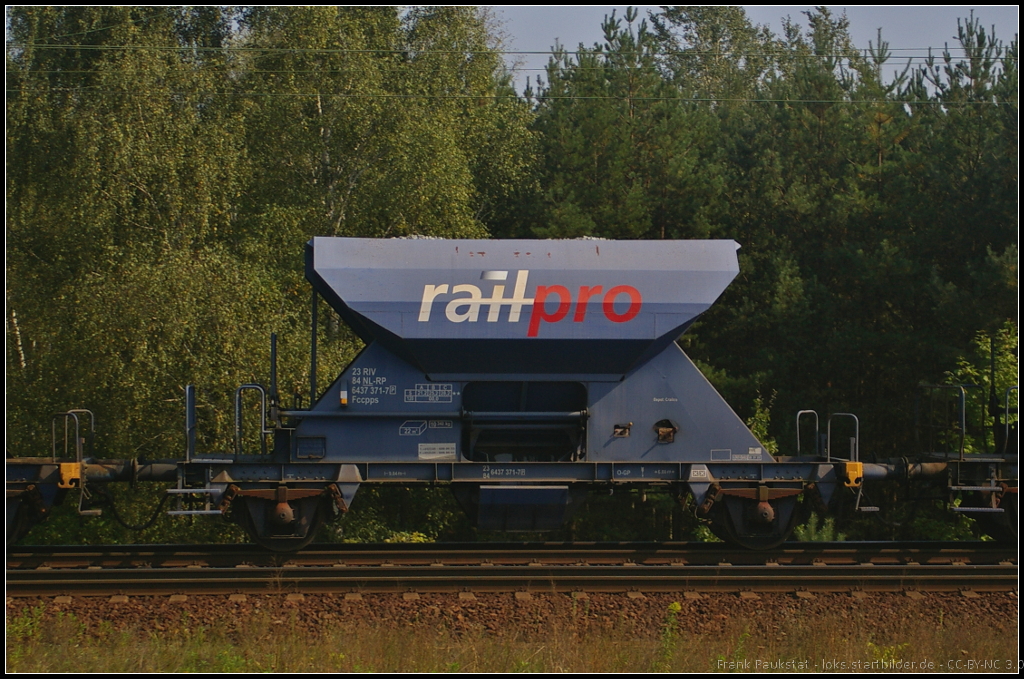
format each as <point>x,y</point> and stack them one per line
<point>635,302</point>
<point>540,313</point>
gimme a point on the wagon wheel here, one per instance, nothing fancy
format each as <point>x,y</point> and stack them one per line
<point>262,520</point>
<point>740,521</point>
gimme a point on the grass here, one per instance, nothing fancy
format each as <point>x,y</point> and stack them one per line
<point>38,641</point>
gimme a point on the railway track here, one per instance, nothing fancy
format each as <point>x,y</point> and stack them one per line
<point>505,567</point>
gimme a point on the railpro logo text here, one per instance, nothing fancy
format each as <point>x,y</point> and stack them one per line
<point>467,306</point>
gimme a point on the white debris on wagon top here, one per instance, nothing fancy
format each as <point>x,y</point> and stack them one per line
<point>416,236</point>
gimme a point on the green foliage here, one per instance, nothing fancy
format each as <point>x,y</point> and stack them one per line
<point>713,52</point>
<point>933,521</point>
<point>989,352</point>
<point>817,529</point>
<point>567,639</point>
<point>415,132</point>
<point>393,514</point>
<point>916,512</point>
<point>629,514</point>
<point>760,421</point>
<point>624,156</point>
<point>669,637</point>
<point>737,657</point>
<point>703,533</point>
<point>26,625</point>
<point>887,654</point>
<point>135,506</point>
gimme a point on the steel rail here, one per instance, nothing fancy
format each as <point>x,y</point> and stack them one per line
<point>455,554</point>
<point>158,581</point>
<point>531,567</point>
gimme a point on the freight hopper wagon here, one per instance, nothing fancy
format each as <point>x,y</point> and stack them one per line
<point>522,373</point>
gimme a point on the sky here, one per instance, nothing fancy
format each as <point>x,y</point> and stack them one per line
<point>535,29</point>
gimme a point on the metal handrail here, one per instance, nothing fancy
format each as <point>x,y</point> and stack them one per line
<point>263,416</point>
<point>855,453</point>
<point>53,434</point>
<point>71,414</point>
<point>1006,418</point>
<point>963,409</point>
<point>190,422</point>
<point>816,429</point>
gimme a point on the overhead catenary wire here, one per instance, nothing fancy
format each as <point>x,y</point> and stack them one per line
<point>839,54</point>
<point>117,25</point>
<point>330,71</point>
<point>569,67</point>
<point>680,98</point>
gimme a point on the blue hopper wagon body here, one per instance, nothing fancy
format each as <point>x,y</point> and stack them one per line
<point>522,373</point>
